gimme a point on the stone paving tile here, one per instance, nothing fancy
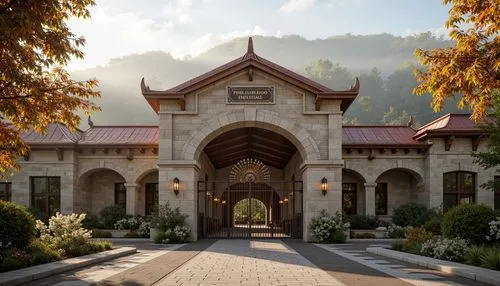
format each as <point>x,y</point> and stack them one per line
<point>152,271</point>
<point>249,262</point>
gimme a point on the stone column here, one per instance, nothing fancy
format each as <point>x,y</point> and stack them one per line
<point>314,200</point>
<point>131,198</point>
<point>370,198</point>
<point>186,200</point>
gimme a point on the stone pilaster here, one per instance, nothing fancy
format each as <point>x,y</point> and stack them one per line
<point>187,173</point>
<point>370,198</point>
<point>132,196</point>
<point>314,200</point>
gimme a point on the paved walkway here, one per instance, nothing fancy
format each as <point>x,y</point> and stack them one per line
<point>246,262</point>
<point>254,262</point>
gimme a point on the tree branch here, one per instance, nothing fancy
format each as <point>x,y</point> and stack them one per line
<point>8,6</point>
<point>42,91</point>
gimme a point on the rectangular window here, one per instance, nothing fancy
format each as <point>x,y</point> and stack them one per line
<point>5,192</point>
<point>458,188</point>
<point>120,195</point>
<point>46,195</point>
<point>496,187</point>
<point>381,199</point>
<point>349,198</point>
<point>151,197</point>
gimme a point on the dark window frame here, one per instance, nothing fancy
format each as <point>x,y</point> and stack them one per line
<point>8,192</point>
<point>381,188</point>
<point>148,210</point>
<point>459,192</point>
<point>352,191</point>
<point>118,190</point>
<point>46,196</point>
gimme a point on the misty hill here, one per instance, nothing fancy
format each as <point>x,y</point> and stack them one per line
<point>382,62</point>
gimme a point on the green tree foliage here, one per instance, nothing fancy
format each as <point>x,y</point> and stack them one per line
<point>35,90</point>
<point>257,210</point>
<point>472,66</point>
<point>491,158</point>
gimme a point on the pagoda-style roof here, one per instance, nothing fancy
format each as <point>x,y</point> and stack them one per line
<point>450,124</point>
<point>250,61</point>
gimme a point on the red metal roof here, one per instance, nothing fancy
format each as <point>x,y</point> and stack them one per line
<point>57,134</point>
<point>121,135</point>
<point>379,136</point>
<point>450,124</point>
<point>250,59</point>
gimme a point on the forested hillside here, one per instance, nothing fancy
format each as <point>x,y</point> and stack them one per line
<point>383,63</point>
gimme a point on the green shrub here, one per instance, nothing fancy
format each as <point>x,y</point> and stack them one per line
<point>17,225</point>
<point>474,254</point>
<point>132,234</point>
<point>160,236</point>
<point>41,252</point>
<point>92,222</point>
<point>363,222</point>
<point>491,258</point>
<point>433,225</point>
<point>416,236</point>
<point>165,218</point>
<point>396,231</point>
<point>445,249</point>
<point>13,258</point>
<point>338,237</point>
<point>468,221</point>
<point>398,245</point>
<point>111,214</point>
<point>101,234</point>
<point>410,214</point>
<point>364,235</point>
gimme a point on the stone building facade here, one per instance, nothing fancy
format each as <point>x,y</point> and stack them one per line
<point>252,129</point>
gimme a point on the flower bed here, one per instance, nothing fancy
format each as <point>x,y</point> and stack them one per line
<point>62,238</point>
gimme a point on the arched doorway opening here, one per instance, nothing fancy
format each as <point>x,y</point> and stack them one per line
<point>249,187</point>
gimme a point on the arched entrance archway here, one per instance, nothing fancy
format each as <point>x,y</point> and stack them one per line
<point>247,164</point>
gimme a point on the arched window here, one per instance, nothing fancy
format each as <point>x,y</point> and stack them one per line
<point>458,188</point>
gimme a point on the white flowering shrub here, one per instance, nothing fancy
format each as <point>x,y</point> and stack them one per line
<point>132,223</point>
<point>182,233</point>
<point>329,228</point>
<point>122,224</point>
<point>144,229</point>
<point>445,249</point>
<point>396,231</point>
<point>177,235</point>
<point>65,233</point>
<point>494,234</point>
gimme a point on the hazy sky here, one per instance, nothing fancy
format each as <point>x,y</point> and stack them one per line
<point>189,27</point>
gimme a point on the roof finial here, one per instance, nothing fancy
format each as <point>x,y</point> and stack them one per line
<point>410,122</point>
<point>250,46</point>
<point>90,122</point>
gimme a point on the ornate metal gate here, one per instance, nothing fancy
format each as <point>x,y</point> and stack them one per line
<point>250,209</point>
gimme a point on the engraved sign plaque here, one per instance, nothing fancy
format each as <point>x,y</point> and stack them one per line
<point>250,95</point>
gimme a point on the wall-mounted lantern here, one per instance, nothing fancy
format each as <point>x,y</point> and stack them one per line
<point>324,186</point>
<point>285,200</point>
<point>223,202</point>
<point>176,186</point>
<point>280,201</point>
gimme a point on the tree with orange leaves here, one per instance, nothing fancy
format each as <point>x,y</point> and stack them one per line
<point>35,90</point>
<point>472,66</point>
